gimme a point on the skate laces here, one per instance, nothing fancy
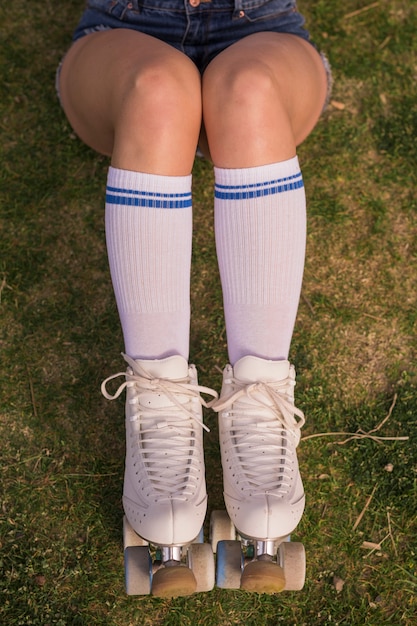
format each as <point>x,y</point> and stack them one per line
<point>164,437</point>
<point>263,434</point>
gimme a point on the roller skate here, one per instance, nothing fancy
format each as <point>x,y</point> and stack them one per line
<point>259,429</point>
<point>164,494</point>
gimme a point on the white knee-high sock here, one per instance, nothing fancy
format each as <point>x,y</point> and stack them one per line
<point>149,234</point>
<point>260,226</point>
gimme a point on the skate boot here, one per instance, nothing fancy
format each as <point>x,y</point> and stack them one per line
<point>259,429</point>
<point>164,495</point>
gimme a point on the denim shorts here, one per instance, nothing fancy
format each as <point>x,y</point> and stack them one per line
<point>199,28</point>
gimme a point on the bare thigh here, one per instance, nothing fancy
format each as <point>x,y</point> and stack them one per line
<point>127,95</point>
<point>261,98</point>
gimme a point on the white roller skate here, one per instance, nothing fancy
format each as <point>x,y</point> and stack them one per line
<point>164,495</point>
<point>259,429</point>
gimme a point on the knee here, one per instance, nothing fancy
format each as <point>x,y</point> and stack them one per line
<point>162,93</point>
<point>241,88</point>
<point>246,115</point>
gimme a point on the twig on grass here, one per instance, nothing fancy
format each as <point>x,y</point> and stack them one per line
<point>374,317</point>
<point>351,436</point>
<point>369,545</point>
<point>362,513</point>
<point>308,303</point>
<point>385,42</point>
<point>3,286</point>
<point>393,403</point>
<point>362,10</point>
<point>32,393</point>
<point>372,547</point>
<point>361,434</point>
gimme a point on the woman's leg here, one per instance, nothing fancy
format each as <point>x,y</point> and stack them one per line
<point>139,100</point>
<point>261,97</point>
<point>135,98</point>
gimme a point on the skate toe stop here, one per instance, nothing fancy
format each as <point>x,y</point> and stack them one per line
<point>174,581</point>
<point>263,577</point>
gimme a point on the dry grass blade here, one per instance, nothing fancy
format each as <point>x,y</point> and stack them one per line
<point>362,10</point>
<point>394,547</point>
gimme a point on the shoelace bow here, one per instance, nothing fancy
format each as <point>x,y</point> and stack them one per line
<point>259,438</point>
<point>170,388</point>
<point>168,460</point>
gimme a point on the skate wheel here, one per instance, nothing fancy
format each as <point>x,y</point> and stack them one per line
<point>263,577</point>
<point>201,562</point>
<point>130,537</point>
<point>200,536</point>
<point>229,564</point>
<point>173,581</point>
<point>138,570</point>
<point>221,529</point>
<point>292,559</point>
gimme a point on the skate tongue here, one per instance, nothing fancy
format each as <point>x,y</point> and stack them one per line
<point>172,368</point>
<point>252,369</point>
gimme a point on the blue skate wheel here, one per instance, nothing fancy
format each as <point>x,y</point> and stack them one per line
<point>229,564</point>
<point>138,570</point>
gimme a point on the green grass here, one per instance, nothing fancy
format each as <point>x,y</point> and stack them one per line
<point>354,345</point>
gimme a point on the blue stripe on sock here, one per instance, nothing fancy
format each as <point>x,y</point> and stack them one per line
<point>152,200</point>
<point>265,183</point>
<point>258,190</point>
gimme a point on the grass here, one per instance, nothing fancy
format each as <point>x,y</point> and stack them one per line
<point>354,344</point>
